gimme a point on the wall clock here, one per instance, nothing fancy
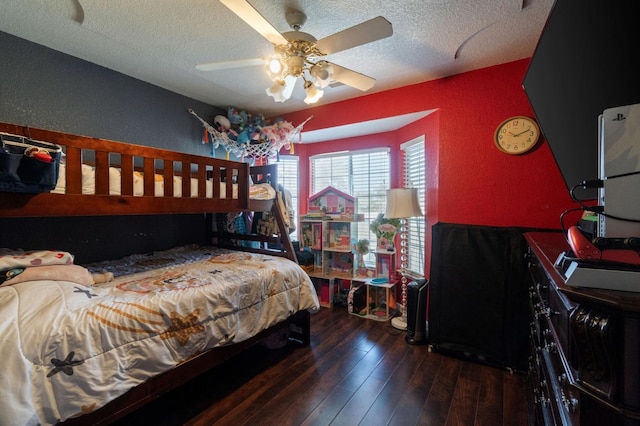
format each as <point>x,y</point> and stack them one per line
<point>517,135</point>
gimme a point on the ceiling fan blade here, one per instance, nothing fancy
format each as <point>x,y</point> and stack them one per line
<point>251,16</point>
<point>290,84</point>
<point>352,78</point>
<point>239,63</point>
<point>366,32</point>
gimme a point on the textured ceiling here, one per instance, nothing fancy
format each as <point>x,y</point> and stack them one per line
<point>161,41</point>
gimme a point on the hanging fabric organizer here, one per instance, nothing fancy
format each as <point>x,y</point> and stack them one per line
<point>271,139</point>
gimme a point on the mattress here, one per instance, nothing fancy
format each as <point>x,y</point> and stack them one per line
<point>69,348</point>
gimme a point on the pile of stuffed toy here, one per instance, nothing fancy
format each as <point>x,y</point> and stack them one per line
<point>248,135</point>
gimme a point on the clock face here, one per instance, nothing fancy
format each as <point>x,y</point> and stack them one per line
<point>517,135</point>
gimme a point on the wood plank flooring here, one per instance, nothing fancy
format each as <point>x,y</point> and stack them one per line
<point>356,371</point>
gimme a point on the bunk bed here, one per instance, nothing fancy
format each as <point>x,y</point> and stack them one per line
<point>174,313</point>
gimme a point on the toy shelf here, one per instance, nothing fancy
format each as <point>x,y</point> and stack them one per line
<point>378,297</point>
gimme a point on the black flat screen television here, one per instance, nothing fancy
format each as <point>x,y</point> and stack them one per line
<point>587,60</point>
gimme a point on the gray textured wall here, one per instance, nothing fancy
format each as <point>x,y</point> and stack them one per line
<point>43,88</point>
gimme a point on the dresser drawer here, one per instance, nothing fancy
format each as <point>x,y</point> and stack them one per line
<point>564,398</point>
<point>559,312</point>
<point>540,408</point>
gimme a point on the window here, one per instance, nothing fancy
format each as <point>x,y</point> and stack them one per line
<point>288,177</point>
<point>414,177</point>
<point>362,174</point>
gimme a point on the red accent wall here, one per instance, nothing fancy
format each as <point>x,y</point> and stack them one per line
<point>468,179</point>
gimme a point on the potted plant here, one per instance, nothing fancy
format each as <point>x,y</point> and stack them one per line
<point>385,230</point>
<point>362,248</point>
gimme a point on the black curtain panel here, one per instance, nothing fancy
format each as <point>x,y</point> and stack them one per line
<point>478,300</point>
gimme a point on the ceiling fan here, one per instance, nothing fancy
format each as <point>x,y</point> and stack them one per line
<point>299,55</point>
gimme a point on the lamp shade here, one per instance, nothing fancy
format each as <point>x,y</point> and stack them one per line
<point>276,69</point>
<point>277,91</point>
<point>322,72</point>
<point>402,203</point>
<point>313,94</point>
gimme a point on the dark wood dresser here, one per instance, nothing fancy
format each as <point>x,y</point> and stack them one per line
<point>584,367</point>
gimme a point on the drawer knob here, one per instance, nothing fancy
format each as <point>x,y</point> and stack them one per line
<point>563,379</point>
<point>570,404</point>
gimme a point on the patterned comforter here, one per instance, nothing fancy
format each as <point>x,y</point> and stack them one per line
<point>68,348</point>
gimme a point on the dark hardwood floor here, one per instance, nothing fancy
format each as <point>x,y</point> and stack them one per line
<point>356,371</point>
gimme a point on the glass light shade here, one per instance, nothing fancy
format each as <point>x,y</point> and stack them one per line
<point>402,203</point>
<point>275,68</point>
<point>277,91</point>
<point>322,72</point>
<point>313,93</point>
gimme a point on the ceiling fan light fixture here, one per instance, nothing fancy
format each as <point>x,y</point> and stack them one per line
<point>322,72</point>
<point>277,91</point>
<point>296,53</point>
<point>313,93</point>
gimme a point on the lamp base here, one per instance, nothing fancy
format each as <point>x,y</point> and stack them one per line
<point>399,322</point>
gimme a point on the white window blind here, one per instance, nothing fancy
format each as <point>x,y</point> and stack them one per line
<point>414,177</point>
<point>288,177</point>
<point>361,174</point>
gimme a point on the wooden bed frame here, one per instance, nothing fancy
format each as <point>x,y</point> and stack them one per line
<point>299,327</point>
<point>279,244</point>
<point>101,153</point>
